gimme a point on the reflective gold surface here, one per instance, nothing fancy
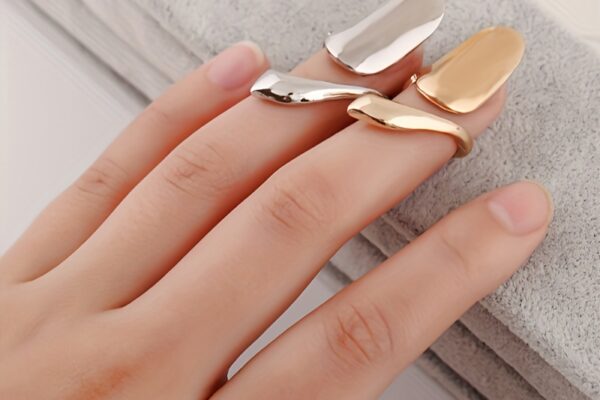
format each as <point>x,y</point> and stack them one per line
<point>388,114</point>
<point>464,79</point>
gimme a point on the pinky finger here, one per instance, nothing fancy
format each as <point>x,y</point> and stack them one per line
<point>353,346</point>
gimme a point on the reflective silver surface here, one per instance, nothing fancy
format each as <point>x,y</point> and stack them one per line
<point>386,36</point>
<point>287,89</point>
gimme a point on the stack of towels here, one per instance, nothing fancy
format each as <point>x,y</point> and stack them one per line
<point>537,337</point>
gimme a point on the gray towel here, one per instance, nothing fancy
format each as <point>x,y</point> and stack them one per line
<point>542,329</point>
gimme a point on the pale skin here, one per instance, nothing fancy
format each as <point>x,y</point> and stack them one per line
<point>209,214</point>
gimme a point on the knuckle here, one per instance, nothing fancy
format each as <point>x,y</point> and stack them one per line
<point>104,379</point>
<point>359,335</point>
<point>298,202</point>
<point>454,254</point>
<point>114,363</point>
<point>103,179</point>
<point>203,171</point>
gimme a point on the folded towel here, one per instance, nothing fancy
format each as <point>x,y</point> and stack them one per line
<point>541,329</point>
<point>143,33</point>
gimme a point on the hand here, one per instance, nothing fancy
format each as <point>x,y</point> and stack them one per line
<point>205,219</point>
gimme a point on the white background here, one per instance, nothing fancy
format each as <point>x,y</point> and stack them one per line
<point>59,108</point>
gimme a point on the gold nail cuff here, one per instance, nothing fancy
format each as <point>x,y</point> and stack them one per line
<point>468,76</point>
<point>388,114</point>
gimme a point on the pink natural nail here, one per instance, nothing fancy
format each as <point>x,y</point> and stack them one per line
<point>521,208</point>
<point>236,66</point>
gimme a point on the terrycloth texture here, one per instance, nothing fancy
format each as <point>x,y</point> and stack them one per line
<point>548,132</point>
<point>457,346</point>
<point>447,377</point>
<point>517,354</point>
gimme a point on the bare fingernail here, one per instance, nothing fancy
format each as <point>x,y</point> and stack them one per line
<point>236,66</point>
<point>521,208</point>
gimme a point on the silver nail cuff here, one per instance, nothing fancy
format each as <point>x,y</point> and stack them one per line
<point>374,44</point>
<point>287,89</point>
<point>386,36</point>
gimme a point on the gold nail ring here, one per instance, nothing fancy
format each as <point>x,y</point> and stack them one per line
<point>389,114</point>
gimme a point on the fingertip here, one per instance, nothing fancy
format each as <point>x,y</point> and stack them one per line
<point>548,197</point>
<point>522,208</point>
<point>237,66</point>
<point>260,56</point>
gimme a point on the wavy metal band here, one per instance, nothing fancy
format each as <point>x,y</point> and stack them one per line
<point>388,114</point>
<point>287,89</point>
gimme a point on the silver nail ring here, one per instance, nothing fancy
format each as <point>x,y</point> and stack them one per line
<point>374,44</point>
<point>287,89</point>
<point>386,36</point>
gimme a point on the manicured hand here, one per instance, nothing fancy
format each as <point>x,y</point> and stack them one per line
<point>208,216</point>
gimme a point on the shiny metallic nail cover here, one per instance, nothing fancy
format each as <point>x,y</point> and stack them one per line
<point>468,76</point>
<point>386,36</point>
<point>394,116</point>
<point>287,89</point>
